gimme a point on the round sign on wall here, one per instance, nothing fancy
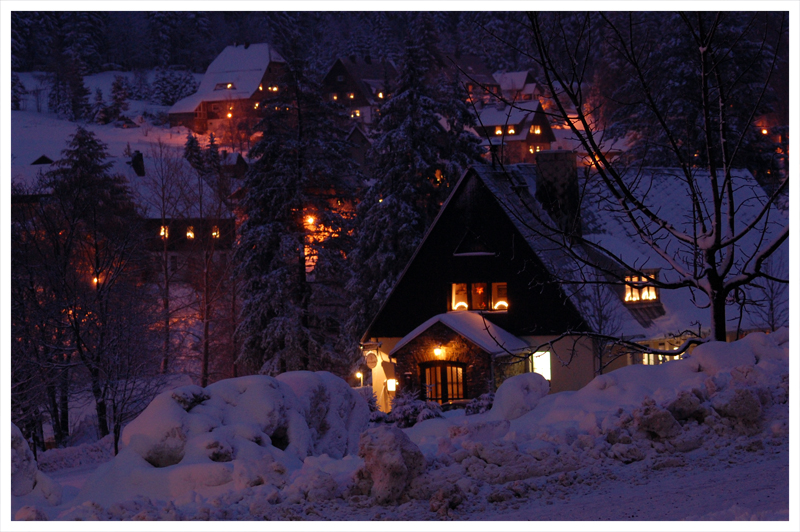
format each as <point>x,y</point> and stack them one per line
<point>372,360</point>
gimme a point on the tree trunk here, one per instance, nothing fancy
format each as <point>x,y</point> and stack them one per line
<point>56,418</point>
<point>165,295</point>
<point>206,309</point>
<point>64,399</point>
<point>100,401</point>
<point>718,323</point>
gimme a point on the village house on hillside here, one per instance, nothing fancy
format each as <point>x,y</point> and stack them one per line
<point>232,88</point>
<point>514,133</point>
<point>359,84</point>
<point>486,286</point>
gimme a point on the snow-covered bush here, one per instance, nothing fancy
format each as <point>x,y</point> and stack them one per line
<point>408,410</point>
<point>518,395</point>
<point>23,465</point>
<point>479,405</point>
<point>170,86</point>
<point>375,414</point>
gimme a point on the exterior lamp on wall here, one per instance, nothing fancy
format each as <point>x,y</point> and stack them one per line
<point>439,352</point>
<point>230,115</point>
<point>360,376</point>
<point>765,131</point>
<point>391,385</point>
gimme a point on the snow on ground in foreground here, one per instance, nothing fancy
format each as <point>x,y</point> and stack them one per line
<point>705,438</point>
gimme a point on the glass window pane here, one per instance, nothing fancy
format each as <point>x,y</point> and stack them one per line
<point>480,300</point>
<point>499,296</point>
<point>460,297</point>
<point>541,363</point>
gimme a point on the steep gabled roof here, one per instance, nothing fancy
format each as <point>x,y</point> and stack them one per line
<point>473,327</point>
<point>492,115</point>
<point>242,66</point>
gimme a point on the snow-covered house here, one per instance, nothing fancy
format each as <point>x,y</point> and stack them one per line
<point>514,133</point>
<point>359,83</point>
<point>232,88</point>
<point>491,280</point>
<point>518,86</point>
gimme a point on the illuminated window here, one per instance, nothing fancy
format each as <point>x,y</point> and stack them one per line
<point>480,297</point>
<point>635,294</point>
<point>260,87</point>
<point>499,296</point>
<point>443,381</point>
<point>224,86</point>
<point>541,363</point>
<point>355,114</point>
<point>536,130</point>
<point>380,95</point>
<point>477,296</point>
<point>652,359</point>
<point>215,232</point>
<point>274,88</point>
<point>230,115</point>
<point>351,95</point>
<point>190,232</point>
<point>255,106</point>
<point>511,130</point>
<point>460,301</point>
<point>764,131</point>
<point>164,232</point>
<point>334,96</point>
<point>498,130</point>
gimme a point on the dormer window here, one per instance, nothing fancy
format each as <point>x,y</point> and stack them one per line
<point>225,86</point>
<point>479,296</point>
<point>511,130</point>
<point>164,232</point>
<point>498,130</point>
<point>636,294</point>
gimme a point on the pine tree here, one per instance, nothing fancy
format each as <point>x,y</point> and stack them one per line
<point>17,91</point>
<point>415,160</point>
<point>120,92</point>
<point>295,234</point>
<point>100,112</point>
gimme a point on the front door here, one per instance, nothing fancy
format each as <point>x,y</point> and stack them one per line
<point>443,381</point>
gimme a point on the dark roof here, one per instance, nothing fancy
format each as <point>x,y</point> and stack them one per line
<point>44,159</point>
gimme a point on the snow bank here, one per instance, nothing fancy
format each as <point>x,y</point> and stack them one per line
<point>233,435</point>
<point>26,479</point>
<point>282,449</point>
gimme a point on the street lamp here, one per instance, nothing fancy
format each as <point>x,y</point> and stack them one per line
<point>360,376</point>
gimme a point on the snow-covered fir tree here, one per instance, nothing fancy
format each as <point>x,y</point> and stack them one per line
<point>120,92</point>
<point>170,86</point>
<point>292,244</point>
<point>415,159</point>
<point>17,91</point>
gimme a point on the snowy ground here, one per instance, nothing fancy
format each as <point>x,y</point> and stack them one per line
<point>703,439</point>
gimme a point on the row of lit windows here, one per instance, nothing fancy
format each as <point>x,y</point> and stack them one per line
<point>536,130</point>
<point>164,233</point>
<point>652,359</point>
<point>646,293</point>
<point>477,296</point>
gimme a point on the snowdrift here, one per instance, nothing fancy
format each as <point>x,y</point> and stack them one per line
<point>258,447</point>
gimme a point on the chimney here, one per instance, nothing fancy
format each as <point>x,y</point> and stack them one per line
<point>557,189</point>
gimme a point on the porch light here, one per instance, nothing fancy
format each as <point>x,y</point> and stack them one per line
<point>360,375</point>
<point>391,385</point>
<point>190,232</point>
<point>439,352</point>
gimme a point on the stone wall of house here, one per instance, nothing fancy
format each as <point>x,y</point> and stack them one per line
<point>478,372</point>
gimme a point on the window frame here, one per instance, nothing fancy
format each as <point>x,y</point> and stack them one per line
<point>491,290</point>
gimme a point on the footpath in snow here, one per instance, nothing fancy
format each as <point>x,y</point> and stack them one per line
<point>704,438</point>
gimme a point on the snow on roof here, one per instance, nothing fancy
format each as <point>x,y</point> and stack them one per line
<point>664,191</point>
<point>512,81</point>
<point>472,326</point>
<point>510,114</point>
<point>241,67</point>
